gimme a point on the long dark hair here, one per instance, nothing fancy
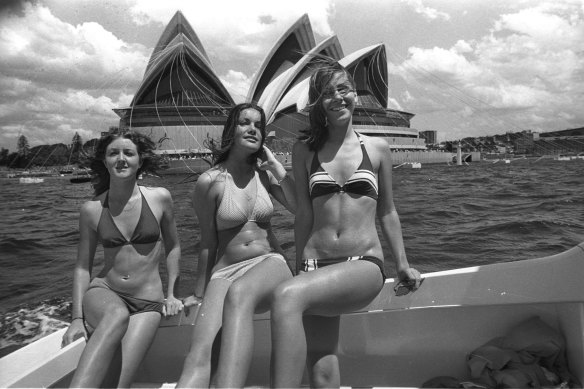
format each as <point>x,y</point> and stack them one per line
<point>145,146</point>
<point>221,153</point>
<point>326,69</point>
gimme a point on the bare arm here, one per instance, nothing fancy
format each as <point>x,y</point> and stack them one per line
<point>204,201</point>
<point>173,252</point>
<point>88,239</point>
<point>303,220</point>
<point>389,218</point>
<point>281,183</point>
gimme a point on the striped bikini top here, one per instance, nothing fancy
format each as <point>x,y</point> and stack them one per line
<point>230,214</point>
<point>363,182</point>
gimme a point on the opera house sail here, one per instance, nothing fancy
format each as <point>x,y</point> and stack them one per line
<point>182,104</point>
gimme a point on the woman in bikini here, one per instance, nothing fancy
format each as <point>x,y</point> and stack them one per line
<point>119,311</point>
<point>343,183</point>
<point>240,261</point>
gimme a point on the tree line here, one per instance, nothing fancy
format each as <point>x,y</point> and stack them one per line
<point>44,156</point>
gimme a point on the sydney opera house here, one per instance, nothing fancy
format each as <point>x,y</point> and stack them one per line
<point>182,104</point>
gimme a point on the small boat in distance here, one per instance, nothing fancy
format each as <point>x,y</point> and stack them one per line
<point>398,340</point>
<point>31,180</point>
<point>81,177</point>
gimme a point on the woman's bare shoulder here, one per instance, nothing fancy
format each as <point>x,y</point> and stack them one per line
<point>376,143</point>
<point>92,208</point>
<point>211,181</point>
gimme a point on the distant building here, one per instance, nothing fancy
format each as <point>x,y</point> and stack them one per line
<point>570,141</point>
<point>430,137</point>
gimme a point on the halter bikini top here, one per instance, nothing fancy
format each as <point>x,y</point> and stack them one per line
<point>363,182</point>
<point>230,214</point>
<point>147,230</point>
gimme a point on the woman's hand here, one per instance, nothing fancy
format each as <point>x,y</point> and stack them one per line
<point>272,164</point>
<point>192,301</point>
<point>411,277</point>
<point>172,306</point>
<point>75,331</point>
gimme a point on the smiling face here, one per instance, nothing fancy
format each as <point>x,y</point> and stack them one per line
<point>122,158</point>
<point>248,131</point>
<point>338,99</point>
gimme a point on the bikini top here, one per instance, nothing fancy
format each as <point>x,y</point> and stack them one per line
<point>363,182</point>
<point>230,214</point>
<point>147,230</point>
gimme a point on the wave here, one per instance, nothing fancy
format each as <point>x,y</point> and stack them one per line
<point>31,322</point>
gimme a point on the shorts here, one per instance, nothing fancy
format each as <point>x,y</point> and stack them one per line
<point>237,270</point>
<point>135,305</point>
<point>313,264</point>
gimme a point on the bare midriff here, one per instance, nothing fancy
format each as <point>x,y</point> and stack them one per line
<point>133,269</point>
<point>244,242</point>
<point>343,225</point>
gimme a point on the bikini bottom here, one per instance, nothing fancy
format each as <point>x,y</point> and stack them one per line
<point>313,264</point>
<point>135,305</point>
<point>237,270</point>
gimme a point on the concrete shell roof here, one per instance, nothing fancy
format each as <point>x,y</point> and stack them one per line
<point>285,53</point>
<point>182,53</point>
<point>177,25</point>
<point>298,95</point>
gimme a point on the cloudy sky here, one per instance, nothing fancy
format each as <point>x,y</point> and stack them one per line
<point>464,68</point>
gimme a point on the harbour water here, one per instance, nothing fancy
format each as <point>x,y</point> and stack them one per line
<point>452,216</point>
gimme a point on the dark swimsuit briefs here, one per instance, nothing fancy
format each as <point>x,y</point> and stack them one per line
<point>147,231</point>
<point>363,182</point>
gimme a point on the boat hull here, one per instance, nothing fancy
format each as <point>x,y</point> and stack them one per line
<point>402,341</point>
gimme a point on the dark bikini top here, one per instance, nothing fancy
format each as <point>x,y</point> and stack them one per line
<point>147,230</point>
<point>230,214</point>
<point>363,182</point>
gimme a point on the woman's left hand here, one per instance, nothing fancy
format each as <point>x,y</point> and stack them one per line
<point>411,276</point>
<point>272,164</point>
<point>172,306</point>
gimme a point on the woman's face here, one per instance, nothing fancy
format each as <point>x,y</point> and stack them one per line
<point>248,132</point>
<point>338,99</point>
<point>122,159</point>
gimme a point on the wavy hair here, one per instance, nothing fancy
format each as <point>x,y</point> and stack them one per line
<point>326,69</point>
<point>221,153</point>
<point>100,179</point>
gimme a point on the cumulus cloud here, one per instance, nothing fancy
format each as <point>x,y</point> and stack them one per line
<point>237,84</point>
<point>530,60</point>
<point>61,74</point>
<point>427,12</point>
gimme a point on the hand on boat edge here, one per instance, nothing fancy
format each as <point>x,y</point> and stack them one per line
<point>409,278</point>
<point>75,331</point>
<point>172,306</point>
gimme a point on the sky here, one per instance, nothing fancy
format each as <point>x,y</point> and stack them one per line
<point>465,68</point>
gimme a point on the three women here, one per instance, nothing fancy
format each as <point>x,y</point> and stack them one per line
<point>343,184</point>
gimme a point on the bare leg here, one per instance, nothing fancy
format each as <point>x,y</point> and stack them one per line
<point>105,312</point>
<point>322,335</point>
<point>329,291</point>
<point>135,344</point>
<point>197,367</point>
<point>253,290</point>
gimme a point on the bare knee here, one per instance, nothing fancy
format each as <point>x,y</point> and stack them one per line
<point>287,300</point>
<point>325,372</point>
<point>238,300</point>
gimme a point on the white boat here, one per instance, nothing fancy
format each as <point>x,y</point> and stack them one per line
<point>31,180</point>
<point>396,341</point>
